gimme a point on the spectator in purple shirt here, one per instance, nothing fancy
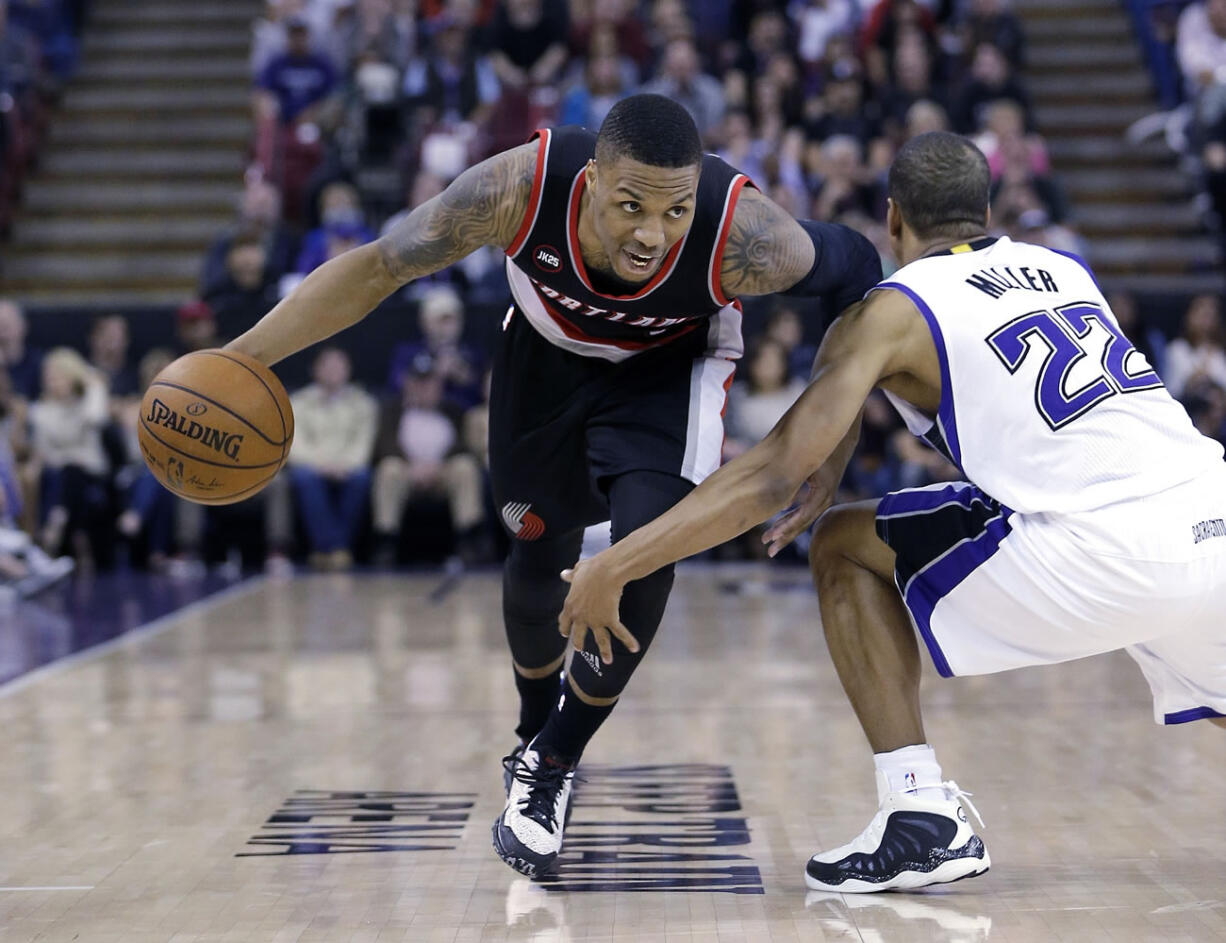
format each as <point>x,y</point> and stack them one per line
<point>440,316</point>
<point>300,82</point>
<point>341,223</point>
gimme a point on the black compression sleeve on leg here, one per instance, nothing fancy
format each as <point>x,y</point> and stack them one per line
<point>532,596</point>
<point>635,498</point>
<point>845,266</point>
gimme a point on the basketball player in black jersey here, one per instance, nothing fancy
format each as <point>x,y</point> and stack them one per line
<point>626,251</point>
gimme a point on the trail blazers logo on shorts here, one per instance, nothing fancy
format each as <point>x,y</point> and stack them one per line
<point>521,522</point>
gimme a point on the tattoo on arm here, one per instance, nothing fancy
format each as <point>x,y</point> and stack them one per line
<point>766,250</point>
<point>483,206</point>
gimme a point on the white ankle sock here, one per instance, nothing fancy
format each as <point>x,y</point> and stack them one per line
<point>913,770</point>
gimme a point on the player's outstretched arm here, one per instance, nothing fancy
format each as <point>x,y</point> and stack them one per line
<point>769,251</point>
<point>872,341</point>
<point>483,206</point>
<point>815,495</point>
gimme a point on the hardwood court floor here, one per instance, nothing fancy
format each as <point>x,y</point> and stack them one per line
<point>317,760</point>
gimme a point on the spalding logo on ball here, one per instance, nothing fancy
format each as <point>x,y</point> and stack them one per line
<point>215,426</point>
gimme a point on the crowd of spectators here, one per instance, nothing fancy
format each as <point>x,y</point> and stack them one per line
<point>397,473</point>
<point>38,53</point>
<point>393,474</point>
<point>366,108</point>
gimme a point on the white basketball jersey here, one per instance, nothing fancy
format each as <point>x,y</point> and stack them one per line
<point>1045,404</point>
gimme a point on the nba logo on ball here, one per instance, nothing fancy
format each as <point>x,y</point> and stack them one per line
<point>215,426</point>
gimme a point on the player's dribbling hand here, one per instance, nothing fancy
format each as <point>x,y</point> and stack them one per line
<point>813,498</point>
<point>594,604</point>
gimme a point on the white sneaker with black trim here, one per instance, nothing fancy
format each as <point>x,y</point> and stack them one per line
<point>910,843</point>
<point>528,834</point>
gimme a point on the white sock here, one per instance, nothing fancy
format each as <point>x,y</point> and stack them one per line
<point>913,770</point>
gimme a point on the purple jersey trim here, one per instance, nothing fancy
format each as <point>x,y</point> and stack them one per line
<point>945,414</point>
<point>1082,262</point>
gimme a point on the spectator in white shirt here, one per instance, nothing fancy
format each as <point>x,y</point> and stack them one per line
<point>1200,46</point>
<point>758,402</point>
<point>423,456</point>
<point>66,425</point>
<point>1197,357</point>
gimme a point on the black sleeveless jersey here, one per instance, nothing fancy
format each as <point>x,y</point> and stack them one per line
<point>551,286</point>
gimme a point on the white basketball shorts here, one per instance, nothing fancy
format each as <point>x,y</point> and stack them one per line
<point>989,589</point>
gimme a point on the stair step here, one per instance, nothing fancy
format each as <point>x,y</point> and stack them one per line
<point>86,162</point>
<point>167,72</point>
<point>176,14</point>
<point>212,131</point>
<point>144,160</point>
<point>1034,10</point>
<point>83,197</point>
<point>135,116</point>
<point>1167,267</point>
<point>108,250</point>
<point>1126,219</point>
<point>100,296</point>
<point>1106,149</point>
<point>63,268</point>
<point>1077,58</point>
<point>1108,182</point>
<point>1190,252</point>
<point>1185,283</point>
<point>101,293</point>
<point>91,232</point>
<point>1095,87</point>
<point>1102,28</point>
<point>1066,119</point>
<point>203,43</point>
<point>194,97</point>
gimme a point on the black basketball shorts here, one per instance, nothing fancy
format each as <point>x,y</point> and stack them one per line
<point>562,425</point>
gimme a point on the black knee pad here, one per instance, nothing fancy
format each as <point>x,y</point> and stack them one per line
<point>532,596</point>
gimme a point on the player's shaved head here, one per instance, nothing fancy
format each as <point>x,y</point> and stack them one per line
<point>650,129</point>
<point>940,183</point>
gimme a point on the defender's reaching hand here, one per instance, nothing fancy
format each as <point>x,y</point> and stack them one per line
<point>593,603</point>
<point>813,498</point>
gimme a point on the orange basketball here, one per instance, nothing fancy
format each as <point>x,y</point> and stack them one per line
<point>215,426</point>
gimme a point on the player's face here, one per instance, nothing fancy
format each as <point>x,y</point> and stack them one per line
<point>639,212</point>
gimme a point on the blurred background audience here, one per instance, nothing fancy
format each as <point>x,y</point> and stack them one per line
<point>364,109</point>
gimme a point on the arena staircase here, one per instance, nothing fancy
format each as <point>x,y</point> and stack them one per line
<point>1135,207</point>
<point>145,157</point>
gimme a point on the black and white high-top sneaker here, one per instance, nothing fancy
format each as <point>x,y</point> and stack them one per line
<point>910,843</point>
<point>528,834</point>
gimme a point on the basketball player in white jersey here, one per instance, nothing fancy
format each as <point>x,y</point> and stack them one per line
<point>1093,517</point>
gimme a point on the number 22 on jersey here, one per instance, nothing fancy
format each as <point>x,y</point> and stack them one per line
<point>1062,332</point>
